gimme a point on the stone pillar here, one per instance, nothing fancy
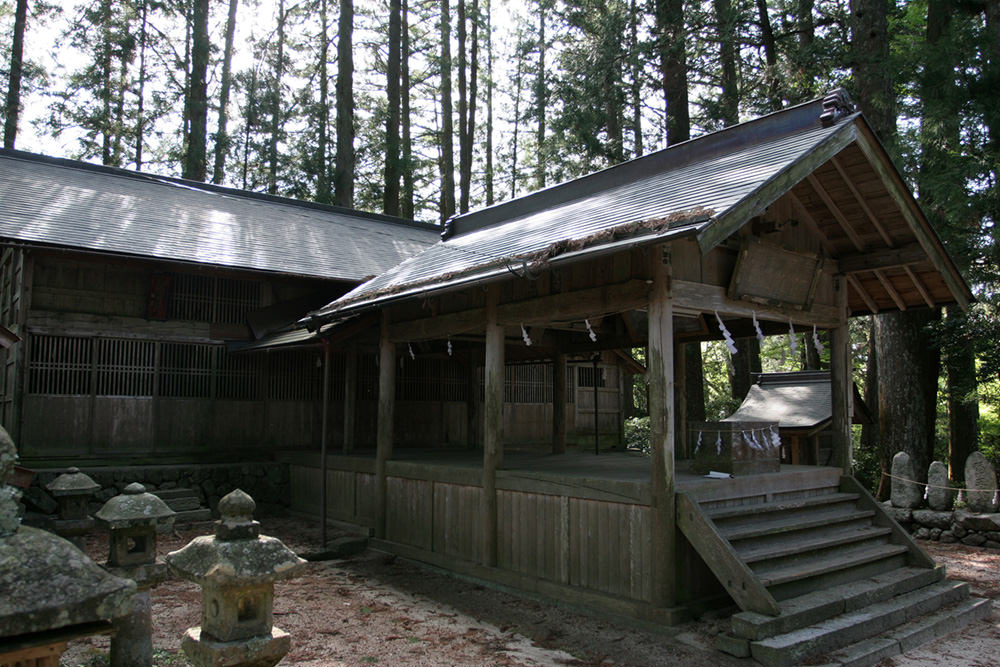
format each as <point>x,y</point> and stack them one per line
<point>981,481</point>
<point>905,493</point>
<point>939,494</point>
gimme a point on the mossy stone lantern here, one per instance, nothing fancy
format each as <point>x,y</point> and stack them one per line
<point>236,569</point>
<point>73,490</point>
<point>132,518</point>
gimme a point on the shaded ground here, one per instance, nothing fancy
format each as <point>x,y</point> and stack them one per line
<point>375,609</point>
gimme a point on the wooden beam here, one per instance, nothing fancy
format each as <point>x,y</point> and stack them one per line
<point>921,229</point>
<point>559,404</point>
<point>890,290</point>
<point>661,410</point>
<point>729,222</point>
<point>492,424</point>
<point>384,428</point>
<point>835,211</point>
<point>841,384</point>
<point>863,293</point>
<point>350,397</point>
<point>920,286</point>
<point>862,203</point>
<point>436,327</point>
<point>800,210</point>
<point>709,298</point>
<point>911,253</point>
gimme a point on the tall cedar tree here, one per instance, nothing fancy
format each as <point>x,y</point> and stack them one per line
<point>323,190</point>
<point>447,205</point>
<point>222,138</point>
<point>197,97</point>
<point>277,125</point>
<point>468,87</point>
<point>140,112</point>
<point>406,150</point>
<point>390,195</point>
<point>488,176</point>
<point>344,173</point>
<point>541,99</point>
<point>12,107</point>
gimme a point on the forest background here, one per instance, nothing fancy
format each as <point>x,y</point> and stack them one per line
<point>423,108</point>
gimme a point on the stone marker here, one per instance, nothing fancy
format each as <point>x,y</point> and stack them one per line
<point>981,481</point>
<point>47,585</point>
<point>939,495</point>
<point>905,493</point>
<point>236,569</point>
<point>132,518</point>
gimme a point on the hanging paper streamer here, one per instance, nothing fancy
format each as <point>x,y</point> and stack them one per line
<point>698,445</point>
<point>449,347</point>
<point>718,444</point>
<point>590,332</point>
<point>756,326</point>
<point>996,496</point>
<point>792,343</point>
<point>410,348</point>
<point>961,498</point>
<point>816,341</point>
<point>725,334</point>
<point>775,437</point>
<point>525,336</point>
<point>927,490</point>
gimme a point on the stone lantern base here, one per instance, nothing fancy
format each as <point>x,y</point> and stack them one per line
<point>261,651</point>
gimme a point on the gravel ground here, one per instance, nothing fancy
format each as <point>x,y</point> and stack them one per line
<point>377,609</point>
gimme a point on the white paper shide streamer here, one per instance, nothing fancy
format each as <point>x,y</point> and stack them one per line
<point>449,347</point>
<point>792,343</point>
<point>698,445</point>
<point>816,341</point>
<point>410,348</point>
<point>525,336</point>
<point>718,444</point>
<point>726,335</point>
<point>756,326</point>
<point>590,332</point>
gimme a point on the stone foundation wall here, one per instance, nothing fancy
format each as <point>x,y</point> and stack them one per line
<point>976,530</point>
<point>267,481</point>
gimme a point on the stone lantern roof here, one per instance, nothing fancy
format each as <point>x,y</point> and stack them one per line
<point>48,583</point>
<point>134,507</point>
<point>72,483</point>
<point>237,555</point>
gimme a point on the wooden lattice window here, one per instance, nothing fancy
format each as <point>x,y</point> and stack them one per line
<point>241,376</point>
<point>295,376</point>
<point>60,365</point>
<point>585,376</point>
<point>528,383</point>
<point>125,367</point>
<point>212,299</point>
<point>186,370</point>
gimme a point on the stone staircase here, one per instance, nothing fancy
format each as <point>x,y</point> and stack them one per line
<point>186,503</point>
<point>826,577</point>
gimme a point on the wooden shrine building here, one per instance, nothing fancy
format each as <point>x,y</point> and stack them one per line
<point>797,217</point>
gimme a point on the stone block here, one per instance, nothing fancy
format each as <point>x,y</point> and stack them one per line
<point>922,533</point>
<point>899,514</point>
<point>948,537</point>
<point>939,495</point>
<point>991,544</point>
<point>263,651</point>
<point>736,646</point>
<point>974,540</point>
<point>958,531</point>
<point>933,519</point>
<point>905,493</point>
<point>936,534</point>
<point>983,523</point>
<point>981,481</point>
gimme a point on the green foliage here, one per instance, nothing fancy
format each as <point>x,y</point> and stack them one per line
<point>637,434</point>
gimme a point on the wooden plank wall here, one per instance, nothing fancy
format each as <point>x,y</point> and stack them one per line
<point>350,493</point>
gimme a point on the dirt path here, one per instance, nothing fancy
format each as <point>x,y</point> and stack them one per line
<point>375,609</point>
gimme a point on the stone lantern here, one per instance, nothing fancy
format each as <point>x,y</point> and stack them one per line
<point>72,491</point>
<point>51,591</point>
<point>236,569</point>
<point>131,518</point>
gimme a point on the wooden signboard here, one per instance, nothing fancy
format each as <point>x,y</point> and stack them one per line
<point>774,275</point>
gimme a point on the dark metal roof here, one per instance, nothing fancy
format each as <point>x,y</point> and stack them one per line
<point>796,400</point>
<point>679,190</point>
<point>71,204</point>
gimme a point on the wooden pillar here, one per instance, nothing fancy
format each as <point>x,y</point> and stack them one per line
<point>841,383</point>
<point>559,404</point>
<point>681,445</point>
<point>492,425</point>
<point>472,404</point>
<point>324,435</point>
<point>350,398</point>
<point>660,364</point>
<point>386,414</point>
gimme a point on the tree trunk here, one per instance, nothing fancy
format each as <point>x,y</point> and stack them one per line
<point>873,81</point>
<point>729,101</point>
<point>390,194</point>
<point>518,86</point>
<point>869,432</point>
<point>745,362</point>
<point>222,140</point>
<point>489,104</point>
<point>140,118</point>
<point>541,100</point>
<point>276,120</point>
<point>694,384</point>
<point>12,107</point>
<point>197,99</point>
<point>770,56</point>
<point>463,101</point>
<point>344,173</point>
<point>963,403</point>
<point>406,203</point>
<point>635,61</point>
<point>465,149</point>
<point>670,41</point>
<point>447,147</point>
<point>105,94</point>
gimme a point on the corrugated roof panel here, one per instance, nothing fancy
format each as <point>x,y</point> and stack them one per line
<point>103,211</point>
<point>716,183</point>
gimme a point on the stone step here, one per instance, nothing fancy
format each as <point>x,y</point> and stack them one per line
<point>841,631</point>
<point>193,516</point>
<point>170,494</point>
<point>788,524</point>
<point>795,545</point>
<point>911,635</point>
<point>756,509</point>
<point>820,605</point>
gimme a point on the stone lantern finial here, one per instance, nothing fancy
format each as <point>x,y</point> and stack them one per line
<point>236,517</point>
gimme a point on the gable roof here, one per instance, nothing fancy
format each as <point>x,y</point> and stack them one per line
<point>707,188</point>
<point>796,400</point>
<point>70,204</point>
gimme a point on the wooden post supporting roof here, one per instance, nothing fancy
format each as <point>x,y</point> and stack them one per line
<point>350,397</point>
<point>559,404</point>
<point>492,425</point>
<point>386,414</point>
<point>661,420</point>
<point>841,389</point>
